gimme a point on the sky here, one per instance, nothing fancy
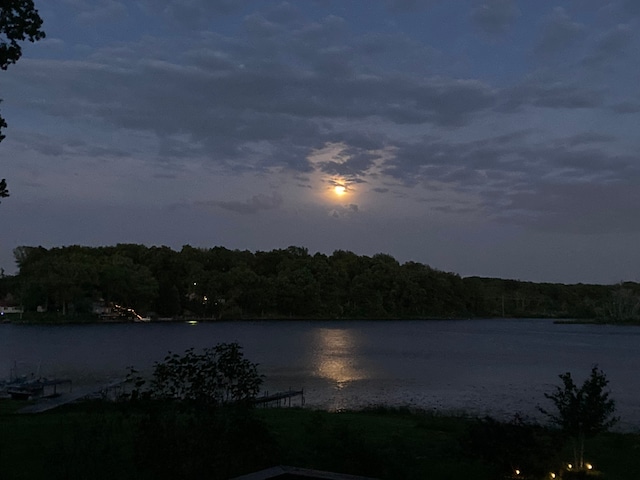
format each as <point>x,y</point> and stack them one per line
<point>496,138</point>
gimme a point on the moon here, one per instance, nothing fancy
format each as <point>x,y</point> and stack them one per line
<point>339,190</point>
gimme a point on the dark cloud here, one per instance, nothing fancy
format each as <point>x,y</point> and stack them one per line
<point>578,208</point>
<point>254,205</point>
<point>610,46</point>
<point>585,139</point>
<point>631,7</point>
<point>559,32</point>
<point>551,95</point>
<point>521,180</point>
<point>226,101</point>
<point>192,13</point>
<point>350,163</point>
<point>51,146</point>
<point>404,6</point>
<point>345,211</point>
<point>494,17</point>
<point>626,107</point>
<point>99,11</point>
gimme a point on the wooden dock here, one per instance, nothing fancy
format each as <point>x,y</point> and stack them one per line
<point>279,399</point>
<point>108,392</point>
<point>113,390</point>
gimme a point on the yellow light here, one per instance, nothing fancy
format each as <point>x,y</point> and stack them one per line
<point>339,190</point>
<point>589,466</point>
<point>569,466</point>
<point>552,475</point>
<point>517,472</point>
<point>192,322</point>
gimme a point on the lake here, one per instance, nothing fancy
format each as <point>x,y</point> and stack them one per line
<point>499,367</point>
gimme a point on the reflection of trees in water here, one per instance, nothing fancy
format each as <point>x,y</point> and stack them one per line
<point>336,350</point>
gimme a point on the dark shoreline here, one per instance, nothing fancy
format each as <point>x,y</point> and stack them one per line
<point>90,320</point>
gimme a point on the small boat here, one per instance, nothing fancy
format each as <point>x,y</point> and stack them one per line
<point>26,387</point>
<point>39,388</point>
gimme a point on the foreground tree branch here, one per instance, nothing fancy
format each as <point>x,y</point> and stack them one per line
<point>19,21</point>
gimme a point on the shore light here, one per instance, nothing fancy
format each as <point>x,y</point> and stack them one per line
<point>589,466</point>
<point>569,466</point>
<point>552,475</point>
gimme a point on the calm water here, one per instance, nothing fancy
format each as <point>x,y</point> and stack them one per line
<point>498,367</point>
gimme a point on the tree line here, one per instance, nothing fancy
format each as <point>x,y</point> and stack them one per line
<point>288,283</point>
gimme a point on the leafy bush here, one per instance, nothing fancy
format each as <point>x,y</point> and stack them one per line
<point>218,375</point>
<point>195,419</point>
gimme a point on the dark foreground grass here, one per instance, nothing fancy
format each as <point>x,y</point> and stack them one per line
<point>124,441</point>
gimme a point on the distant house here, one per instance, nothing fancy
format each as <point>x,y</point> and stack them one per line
<point>5,308</point>
<point>101,308</point>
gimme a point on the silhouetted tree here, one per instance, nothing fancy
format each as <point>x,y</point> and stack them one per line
<point>19,21</point>
<point>4,192</point>
<point>582,412</point>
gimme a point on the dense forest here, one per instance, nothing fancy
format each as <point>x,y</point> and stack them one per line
<point>218,283</point>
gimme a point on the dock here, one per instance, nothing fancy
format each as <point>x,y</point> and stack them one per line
<point>279,399</point>
<point>114,390</point>
<point>109,392</point>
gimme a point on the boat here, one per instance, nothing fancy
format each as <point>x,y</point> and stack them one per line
<point>27,387</point>
<point>40,388</point>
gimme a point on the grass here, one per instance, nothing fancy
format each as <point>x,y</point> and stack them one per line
<point>98,440</point>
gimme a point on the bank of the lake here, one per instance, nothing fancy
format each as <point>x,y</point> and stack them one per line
<point>57,318</point>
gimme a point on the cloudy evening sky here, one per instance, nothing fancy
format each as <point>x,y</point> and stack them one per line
<point>484,137</point>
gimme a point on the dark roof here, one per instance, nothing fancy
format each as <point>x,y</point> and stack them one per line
<point>284,472</point>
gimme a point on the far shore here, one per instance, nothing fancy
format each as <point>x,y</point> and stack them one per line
<point>32,318</point>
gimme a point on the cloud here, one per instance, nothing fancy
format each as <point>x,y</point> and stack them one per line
<point>610,46</point>
<point>577,208</point>
<point>253,205</point>
<point>517,179</point>
<point>99,11</point>
<point>345,211</point>
<point>251,104</point>
<point>625,108</point>
<point>559,33</point>
<point>553,95</point>
<point>194,13</point>
<point>494,17</point>
<point>404,6</point>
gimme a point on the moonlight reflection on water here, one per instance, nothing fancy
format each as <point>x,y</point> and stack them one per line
<point>497,367</point>
<point>335,357</point>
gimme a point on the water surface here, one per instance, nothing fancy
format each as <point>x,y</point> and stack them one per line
<point>499,367</point>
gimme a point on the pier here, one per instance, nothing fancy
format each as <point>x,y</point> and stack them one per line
<point>279,399</point>
<point>107,392</point>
